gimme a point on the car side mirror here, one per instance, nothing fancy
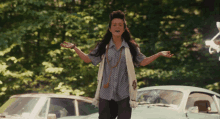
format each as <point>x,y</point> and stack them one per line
<point>51,116</point>
<point>194,109</point>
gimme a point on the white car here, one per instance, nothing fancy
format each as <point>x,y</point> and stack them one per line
<point>47,106</point>
<point>174,102</point>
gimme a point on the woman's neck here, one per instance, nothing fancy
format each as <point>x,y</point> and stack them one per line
<point>117,39</point>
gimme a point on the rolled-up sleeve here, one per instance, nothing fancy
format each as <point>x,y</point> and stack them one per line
<point>95,60</point>
<point>140,57</point>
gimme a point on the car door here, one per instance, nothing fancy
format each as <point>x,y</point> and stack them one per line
<point>62,107</point>
<point>86,108</point>
<point>218,104</point>
<point>206,107</point>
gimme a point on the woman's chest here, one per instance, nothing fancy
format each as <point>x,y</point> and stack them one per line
<point>115,56</point>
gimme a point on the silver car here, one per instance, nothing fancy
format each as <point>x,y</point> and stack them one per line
<point>47,106</point>
<point>174,102</point>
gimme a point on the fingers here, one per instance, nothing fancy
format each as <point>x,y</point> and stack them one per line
<point>169,54</point>
<point>63,45</point>
<point>65,42</point>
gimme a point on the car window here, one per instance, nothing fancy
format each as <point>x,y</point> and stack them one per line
<point>160,96</point>
<point>19,105</point>
<point>86,108</point>
<point>204,102</point>
<point>62,107</point>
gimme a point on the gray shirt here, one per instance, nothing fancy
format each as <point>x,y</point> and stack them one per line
<point>118,84</point>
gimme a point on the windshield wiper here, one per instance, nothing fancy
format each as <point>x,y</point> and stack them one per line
<point>165,105</point>
<point>143,103</point>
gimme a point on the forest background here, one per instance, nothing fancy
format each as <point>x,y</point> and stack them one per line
<point>31,59</point>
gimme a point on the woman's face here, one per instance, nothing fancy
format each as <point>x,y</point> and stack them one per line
<point>117,27</point>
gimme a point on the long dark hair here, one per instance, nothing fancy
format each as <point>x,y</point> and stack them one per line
<point>126,36</point>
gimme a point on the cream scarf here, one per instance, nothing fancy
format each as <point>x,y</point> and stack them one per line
<point>131,77</point>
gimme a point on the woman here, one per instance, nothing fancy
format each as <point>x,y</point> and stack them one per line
<point>114,92</point>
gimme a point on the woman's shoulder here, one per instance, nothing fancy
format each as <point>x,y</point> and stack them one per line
<point>133,42</point>
<point>95,47</point>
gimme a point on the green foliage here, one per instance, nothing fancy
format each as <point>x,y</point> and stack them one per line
<point>67,90</point>
<point>31,59</point>
<point>214,87</point>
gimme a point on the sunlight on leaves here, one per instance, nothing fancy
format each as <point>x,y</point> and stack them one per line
<point>71,78</point>
<point>12,58</point>
<point>17,74</point>
<point>78,92</point>
<point>2,93</point>
<point>16,87</point>
<point>196,12</point>
<point>54,70</point>
<point>68,34</point>
<point>64,89</point>
<point>2,53</point>
<point>185,10</point>
<point>3,67</point>
<point>4,88</point>
<point>214,87</point>
<point>47,64</point>
<point>139,83</point>
<point>53,53</point>
<point>131,14</point>
<point>92,84</point>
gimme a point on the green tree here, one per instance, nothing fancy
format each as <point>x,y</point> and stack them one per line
<point>31,31</point>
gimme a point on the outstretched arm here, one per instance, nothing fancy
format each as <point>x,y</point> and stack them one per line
<point>150,59</point>
<point>81,54</point>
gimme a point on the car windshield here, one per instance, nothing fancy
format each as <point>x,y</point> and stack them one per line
<point>160,97</point>
<point>19,105</point>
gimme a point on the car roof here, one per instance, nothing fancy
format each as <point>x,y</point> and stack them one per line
<point>180,88</point>
<point>52,95</point>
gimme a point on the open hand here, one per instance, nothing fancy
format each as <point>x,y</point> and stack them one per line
<point>166,54</point>
<point>67,45</point>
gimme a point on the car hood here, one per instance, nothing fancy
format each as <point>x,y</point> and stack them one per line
<point>12,117</point>
<point>72,117</point>
<point>69,117</point>
<point>153,112</point>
